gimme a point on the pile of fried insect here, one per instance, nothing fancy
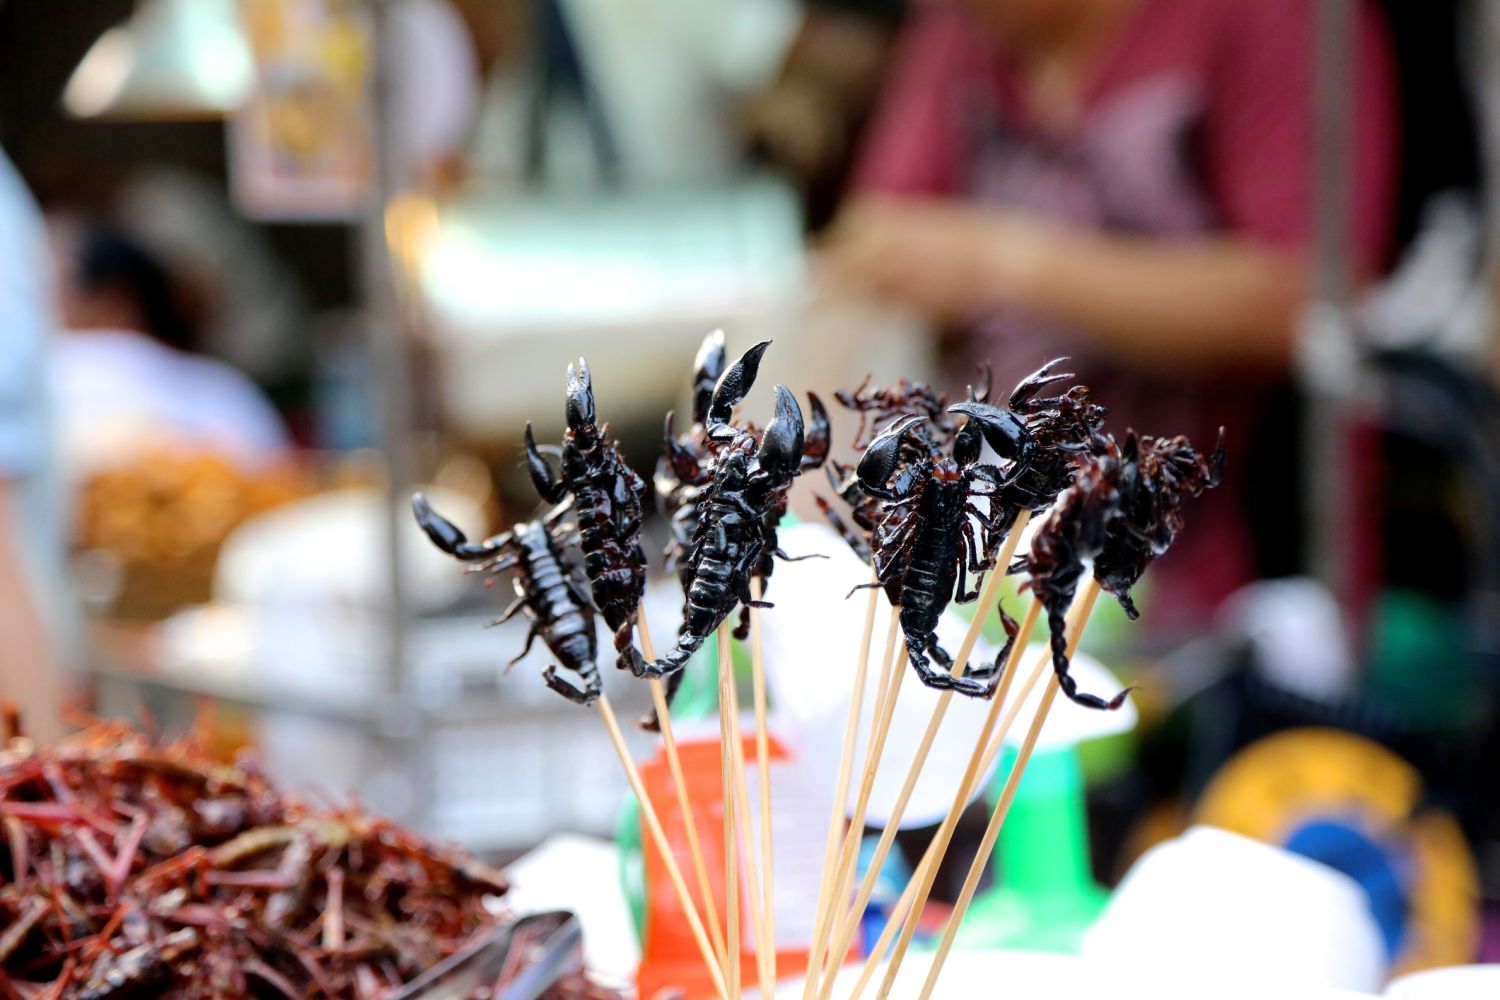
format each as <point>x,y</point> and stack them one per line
<point>911,499</point>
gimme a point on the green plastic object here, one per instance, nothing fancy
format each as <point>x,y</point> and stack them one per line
<point>1045,898</point>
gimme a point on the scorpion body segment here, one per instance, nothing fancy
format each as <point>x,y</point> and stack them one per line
<point>547,589</point>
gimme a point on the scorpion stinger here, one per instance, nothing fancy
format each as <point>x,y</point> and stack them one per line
<point>733,386</point>
<point>881,460</point>
<point>708,365</point>
<point>449,538</point>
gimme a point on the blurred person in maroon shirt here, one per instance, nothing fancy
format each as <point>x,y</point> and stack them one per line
<point>1128,182</point>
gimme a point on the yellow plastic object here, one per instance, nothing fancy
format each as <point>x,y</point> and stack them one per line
<point>1353,804</point>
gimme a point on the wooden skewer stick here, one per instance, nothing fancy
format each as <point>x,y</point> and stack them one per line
<point>846,765</point>
<point>979,763</point>
<point>1083,608</point>
<point>747,842</point>
<point>763,762</point>
<point>927,868</point>
<point>659,838</point>
<point>838,887</point>
<point>940,710</point>
<point>731,856</point>
<point>684,803</point>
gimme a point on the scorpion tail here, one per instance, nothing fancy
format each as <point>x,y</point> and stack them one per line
<point>627,656</point>
<point>1057,623</point>
<point>585,695</point>
<point>651,722</point>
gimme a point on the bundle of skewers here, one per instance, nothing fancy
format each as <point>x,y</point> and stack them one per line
<point>936,504</point>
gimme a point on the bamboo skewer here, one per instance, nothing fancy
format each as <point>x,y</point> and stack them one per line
<point>985,749</point>
<point>892,671</point>
<point>927,867</point>
<point>767,951</point>
<point>846,765</point>
<point>747,837</point>
<point>731,859</point>
<point>659,838</point>
<point>684,803</point>
<point>960,663</point>
<point>1083,608</point>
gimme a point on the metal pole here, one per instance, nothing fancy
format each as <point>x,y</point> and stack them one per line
<point>397,716</point>
<point>1327,357</point>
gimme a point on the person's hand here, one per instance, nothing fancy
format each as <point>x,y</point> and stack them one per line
<point>946,257</point>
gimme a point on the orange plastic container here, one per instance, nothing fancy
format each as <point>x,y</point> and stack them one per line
<point>670,958</point>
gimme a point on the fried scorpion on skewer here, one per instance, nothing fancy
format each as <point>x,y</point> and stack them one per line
<point>1123,511</point>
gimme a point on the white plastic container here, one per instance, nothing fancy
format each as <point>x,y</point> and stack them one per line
<point>1460,982</point>
<point>1219,908</point>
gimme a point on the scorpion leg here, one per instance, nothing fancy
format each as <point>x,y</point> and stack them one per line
<point>855,541</point>
<point>531,635</point>
<point>509,612</point>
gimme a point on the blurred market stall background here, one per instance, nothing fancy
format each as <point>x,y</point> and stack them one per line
<point>301,257</point>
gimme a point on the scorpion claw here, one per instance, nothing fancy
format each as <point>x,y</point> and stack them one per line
<point>732,387</point>
<point>815,450</point>
<point>707,367</point>
<point>548,486</point>
<point>781,446</point>
<point>1038,380</point>
<point>580,396</point>
<point>1002,429</point>
<point>883,457</point>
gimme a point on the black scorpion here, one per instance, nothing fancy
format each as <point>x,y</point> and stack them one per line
<point>547,589</point>
<point>1123,510</point>
<point>925,542</point>
<point>606,501</point>
<point>746,485</point>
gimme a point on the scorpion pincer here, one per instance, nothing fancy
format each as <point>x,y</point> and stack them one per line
<point>547,588</point>
<point>606,501</point>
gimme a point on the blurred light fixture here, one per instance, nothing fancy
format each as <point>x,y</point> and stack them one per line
<point>174,59</point>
